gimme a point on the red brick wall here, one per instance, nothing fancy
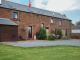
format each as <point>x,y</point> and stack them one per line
<point>28,19</point>
<point>5,13</point>
<point>65,25</point>
<point>75,35</point>
<point>34,20</point>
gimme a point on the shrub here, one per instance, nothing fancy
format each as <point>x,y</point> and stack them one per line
<point>41,35</point>
<point>51,37</point>
<point>58,34</point>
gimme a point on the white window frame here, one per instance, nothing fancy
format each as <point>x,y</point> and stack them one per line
<point>51,20</point>
<point>15,15</point>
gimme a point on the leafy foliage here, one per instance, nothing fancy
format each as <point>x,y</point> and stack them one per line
<point>51,37</point>
<point>58,33</point>
<point>41,35</point>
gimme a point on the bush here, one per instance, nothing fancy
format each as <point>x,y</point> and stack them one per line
<point>51,37</point>
<point>58,34</point>
<point>41,35</point>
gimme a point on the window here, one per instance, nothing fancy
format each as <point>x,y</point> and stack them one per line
<point>60,23</point>
<point>51,20</point>
<point>15,15</point>
<point>42,25</point>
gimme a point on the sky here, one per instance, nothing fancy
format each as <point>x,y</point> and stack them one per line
<point>71,8</point>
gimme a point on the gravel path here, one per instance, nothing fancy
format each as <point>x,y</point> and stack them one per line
<point>38,43</point>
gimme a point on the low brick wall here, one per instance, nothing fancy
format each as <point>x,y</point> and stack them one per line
<point>75,35</point>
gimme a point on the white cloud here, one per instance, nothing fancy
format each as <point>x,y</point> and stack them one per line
<point>38,3</point>
<point>58,5</point>
<point>55,5</point>
<point>76,5</point>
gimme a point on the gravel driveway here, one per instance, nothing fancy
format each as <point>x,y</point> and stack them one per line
<point>38,43</point>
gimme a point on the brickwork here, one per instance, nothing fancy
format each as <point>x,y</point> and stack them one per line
<point>25,20</point>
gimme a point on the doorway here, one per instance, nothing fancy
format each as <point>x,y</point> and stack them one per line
<point>1,34</point>
<point>30,32</point>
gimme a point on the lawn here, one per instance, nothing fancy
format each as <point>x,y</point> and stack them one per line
<point>39,53</point>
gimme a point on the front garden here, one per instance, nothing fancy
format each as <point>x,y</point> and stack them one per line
<point>39,53</point>
<point>42,34</point>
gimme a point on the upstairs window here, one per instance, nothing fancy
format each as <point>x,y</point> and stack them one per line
<point>51,20</point>
<point>60,22</point>
<point>15,15</point>
<point>42,25</point>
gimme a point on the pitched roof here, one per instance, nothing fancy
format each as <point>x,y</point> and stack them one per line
<point>12,5</point>
<point>4,21</point>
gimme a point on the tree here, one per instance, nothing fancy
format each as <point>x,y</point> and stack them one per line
<point>41,35</point>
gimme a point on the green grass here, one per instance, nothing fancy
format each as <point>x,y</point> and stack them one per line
<point>39,53</point>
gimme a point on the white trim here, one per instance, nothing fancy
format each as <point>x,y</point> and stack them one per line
<point>76,31</point>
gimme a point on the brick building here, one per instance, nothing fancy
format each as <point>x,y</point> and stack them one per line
<point>75,34</point>
<point>29,20</point>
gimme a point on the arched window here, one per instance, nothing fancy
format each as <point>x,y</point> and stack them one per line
<point>51,20</point>
<point>42,25</point>
<point>60,22</point>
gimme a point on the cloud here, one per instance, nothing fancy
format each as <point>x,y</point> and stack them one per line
<point>76,6</point>
<point>57,5</point>
<point>53,5</point>
<point>38,4</point>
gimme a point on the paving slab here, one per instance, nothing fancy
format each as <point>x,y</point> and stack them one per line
<point>38,43</point>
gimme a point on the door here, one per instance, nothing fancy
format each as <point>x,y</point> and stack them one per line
<point>47,31</point>
<point>64,33</point>
<point>30,32</point>
<point>4,33</point>
<point>1,34</point>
